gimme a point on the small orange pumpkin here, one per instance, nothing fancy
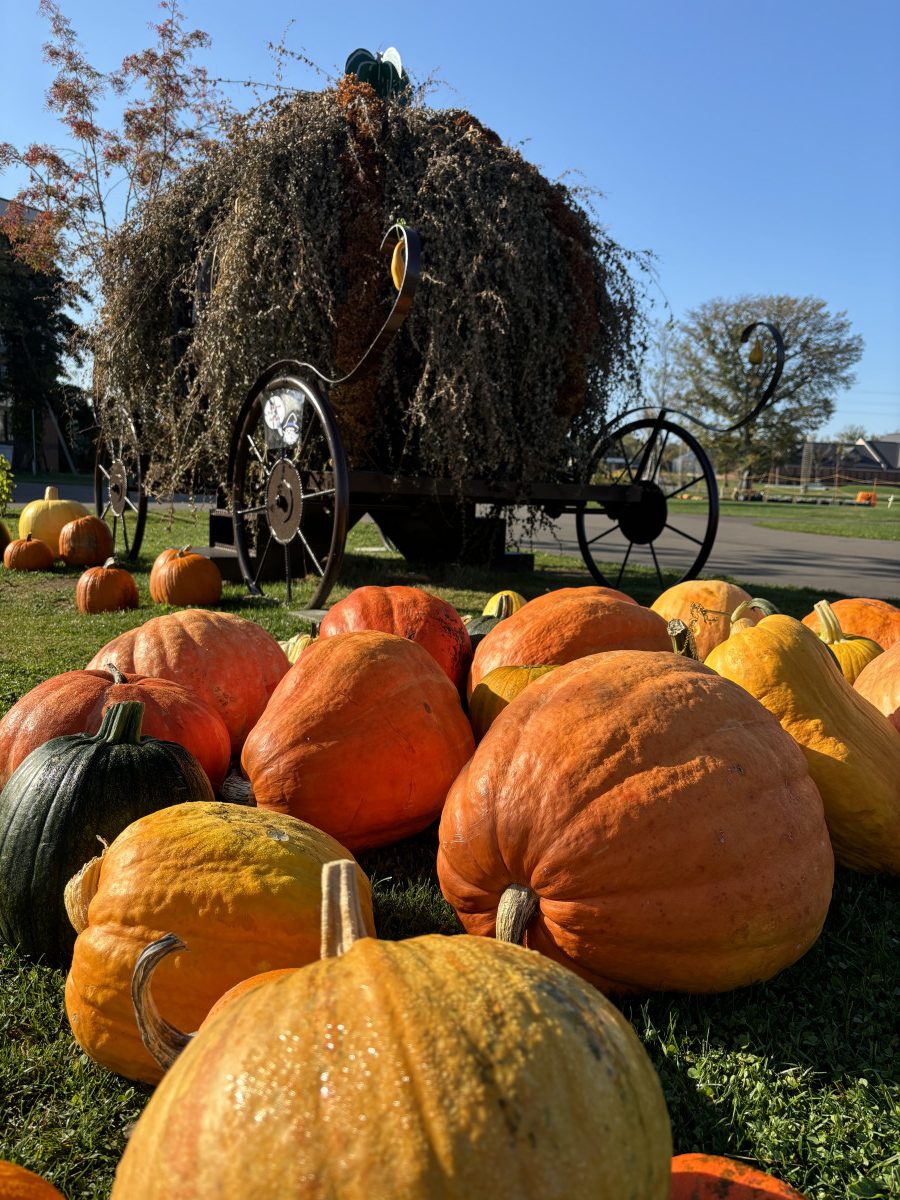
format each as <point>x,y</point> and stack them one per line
<point>18,1184</point>
<point>106,589</point>
<point>28,554</point>
<point>709,1177</point>
<point>183,577</point>
<point>85,542</point>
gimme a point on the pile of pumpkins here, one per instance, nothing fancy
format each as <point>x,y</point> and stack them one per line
<point>616,817</point>
<point>52,529</point>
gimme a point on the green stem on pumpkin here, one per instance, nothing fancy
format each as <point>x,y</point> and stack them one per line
<point>765,606</point>
<point>830,631</point>
<point>517,906</point>
<point>117,675</point>
<point>121,724</point>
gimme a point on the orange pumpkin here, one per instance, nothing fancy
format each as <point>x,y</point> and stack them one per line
<point>646,825</point>
<point>879,683</point>
<point>28,554</point>
<point>75,702</point>
<point>851,651</point>
<point>410,613</point>
<point>85,542</point>
<point>705,606</point>
<point>109,588</point>
<point>18,1184</point>
<point>232,664</point>
<point>567,624</point>
<point>875,619</point>
<point>362,737</point>
<point>183,577</point>
<point>708,1177</point>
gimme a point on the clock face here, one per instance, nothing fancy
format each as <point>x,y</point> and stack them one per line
<point>273,412</point>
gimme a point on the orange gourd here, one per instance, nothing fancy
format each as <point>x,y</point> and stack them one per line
<point>644,824</point>
<point>879,683</point>
<point>85,542</point>
<point>18,1184</point>
<point>183,577</point>
<point>362,737</point>
<point>875,619</point>
<point>109,588</point>
<point>28,554</point>
<point>705,606</point>
<point>709,1177</point>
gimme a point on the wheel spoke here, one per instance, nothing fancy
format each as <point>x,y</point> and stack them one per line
<point>605,533</point>
<point>627,466</point>
<point>624,564</point>
<point>125,533</point>
<point>684,487</point>
<point>287,570</point>
<point>131,504</point>
<point>103,469</point>
<point>681,533</point>
<point>261,460</point>
<point>656,564</point>
<point>647,450</point>
<point>261,560</point>
<point>246,512</point>
<point>105,510</point>
<point>316,495</point>
<point>310,552</point>
<point>658,458</point>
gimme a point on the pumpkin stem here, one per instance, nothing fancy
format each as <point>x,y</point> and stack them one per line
<point>342,916</point>
<point>504,607</point>
<point>830,631</point>
<point>110,562</point>
<point>517,906</point>
<point>81,889</point>
<point>237,790</point>
<point>121,724</point>
<point>683,643</point>
<point>162,1040</point>
<point>183,551</point>
<point>765,606</point>
<point>117,675</point>
<point>51,493</point>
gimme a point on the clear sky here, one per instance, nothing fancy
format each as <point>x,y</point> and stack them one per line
<point>752,148</point>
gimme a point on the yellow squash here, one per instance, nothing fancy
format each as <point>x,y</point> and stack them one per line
<point>852,750</point>
<point>44,519</point>
<point>851,651</point>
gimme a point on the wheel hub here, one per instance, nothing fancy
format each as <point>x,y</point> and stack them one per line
<point>284,500</point>
<point>118,487</point>
<point>642,523</point>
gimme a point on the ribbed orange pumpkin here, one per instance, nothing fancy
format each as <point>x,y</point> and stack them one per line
<point>232,664</point>
<point>568,624</point>
<point>18,1184</point>
<point>410,613</point>
<point>75,702</point>
<point>705,606</point>
<point>708,1177</point>
<point>240,887</point>
<point>665,826</point>
<point>109,588</point>
<point>28,554</point>
<point>879,683</point>
<point>85,542</point>
<point>362,737</point>
<point>875,619</point>
<point>185,577</point>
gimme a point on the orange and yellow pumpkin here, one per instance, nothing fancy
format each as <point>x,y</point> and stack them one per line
<point>44,519</point>
<point>863,617</point>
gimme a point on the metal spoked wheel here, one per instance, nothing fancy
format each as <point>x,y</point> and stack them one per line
<point>671,527</point>
<point>289,485</point>
<point>119,495</point>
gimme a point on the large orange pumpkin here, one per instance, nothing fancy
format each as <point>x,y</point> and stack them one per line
<point>410,613</point>
<point>185,577</point>
<point>85,542</point>
<point>879,682</point>
<point>75,702</point>
<point>875,619</point>
<point>648,826</point>
<point>18,1184</point>
<point>362,738</point>
<point>567,624</point>
<point>705,606</point>
<point>240,887</point>
<point>708,1177</point>
<point>232,664</point>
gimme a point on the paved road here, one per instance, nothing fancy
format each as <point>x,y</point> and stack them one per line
<point>854,566</point>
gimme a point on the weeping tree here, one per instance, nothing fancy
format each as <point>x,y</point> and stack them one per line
<point>527,319</point>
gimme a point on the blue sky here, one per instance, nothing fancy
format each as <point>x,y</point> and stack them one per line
<point>753,149</point>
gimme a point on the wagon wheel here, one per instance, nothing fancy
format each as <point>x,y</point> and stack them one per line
<point>119,493</point>
<point>678,509</point>
<point>289,483</point>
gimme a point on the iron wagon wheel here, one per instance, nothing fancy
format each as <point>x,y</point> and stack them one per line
<point>119,492</point>
<point>290,492</point>
<point>667,464</point>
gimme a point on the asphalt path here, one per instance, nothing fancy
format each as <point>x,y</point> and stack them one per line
<point>744,550</point>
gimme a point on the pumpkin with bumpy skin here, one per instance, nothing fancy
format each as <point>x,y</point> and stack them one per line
<point>362,737</point>
<point>109,588</point>
<point>879,683</point>
<point>864,617</point>
<point>241,887</point>
<point>643,822</point>
<point>76,701</point>
<point>705,606</point>
<point>85,542</point>
<point>28,554</point>
<point>567,624</point>
<point>232,664</point>
<point>44,519</point>
<point>709,1177</point>
<point>409,613</point>
<point>852,751</point>
<point>67,794</point>
<point>436,1068</point>
<point>183,577</point>
<point>851,651</point>
<point>16,1183</point>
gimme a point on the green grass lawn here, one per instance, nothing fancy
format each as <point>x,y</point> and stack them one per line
<point>798,1076</point>
<point>880,523</point>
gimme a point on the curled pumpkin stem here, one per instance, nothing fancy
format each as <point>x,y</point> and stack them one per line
<point>766,607</point>
<point>517,906</point>
<point>162,1040</point>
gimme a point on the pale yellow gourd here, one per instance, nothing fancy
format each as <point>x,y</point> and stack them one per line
<point>44,519</point>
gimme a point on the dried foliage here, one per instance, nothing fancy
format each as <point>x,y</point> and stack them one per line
<point>527,319</point>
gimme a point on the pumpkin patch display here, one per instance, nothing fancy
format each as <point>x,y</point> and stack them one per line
<point>28,554</point>
<point>409,613</point>
<point>705,606</point>
<point>18,1184</point>
<point>568,624</point>
<point>637,820</point>
<point>879,683</point>
<point>44,519</point>
<point>85,542</point>
<point>851,651</point>
<point>449,1067</point>
<point>362,737</point>
<point>76,701</point>
<point>863,617</point>
<point>64,796</point>
<point>496,690</point>
<point>242,888</point>
<point>109,588</point>
<point>852,750</point>
<point>230,663</point>
<point>183,577</point>
<point>709,1177</point>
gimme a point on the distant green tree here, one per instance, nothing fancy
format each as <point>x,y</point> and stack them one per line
<point>714,378</point>
<point>850,435</point>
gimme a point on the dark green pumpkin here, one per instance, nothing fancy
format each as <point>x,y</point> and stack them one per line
<point>5,537</point>
<point>480,627</point>
<point>61,799</point>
